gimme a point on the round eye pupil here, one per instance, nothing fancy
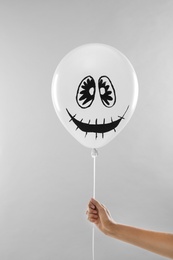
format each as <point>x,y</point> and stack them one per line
<point>107,91</point>
<point>102,91</point>
<point>91,91</point>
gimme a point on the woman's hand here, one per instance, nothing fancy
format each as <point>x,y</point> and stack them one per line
<point>156,242</point>
<point>100,216</point>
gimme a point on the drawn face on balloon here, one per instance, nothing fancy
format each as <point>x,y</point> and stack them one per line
<point>85,97</point>
<point>94,91</point>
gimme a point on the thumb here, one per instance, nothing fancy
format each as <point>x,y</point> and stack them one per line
<point>102,211</point>
<point>96,204</point>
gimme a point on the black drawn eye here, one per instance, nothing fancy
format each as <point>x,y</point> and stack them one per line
<point>86,92</point>
<point>107,91</point>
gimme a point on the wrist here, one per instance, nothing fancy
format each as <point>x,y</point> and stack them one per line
<point>112,229</point>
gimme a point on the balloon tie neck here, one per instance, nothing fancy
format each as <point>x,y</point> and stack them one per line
<point>94,153</point>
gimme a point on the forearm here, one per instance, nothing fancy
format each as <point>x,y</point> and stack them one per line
<point>157,242</point>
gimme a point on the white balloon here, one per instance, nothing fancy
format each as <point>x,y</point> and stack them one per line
<point>94,93</point>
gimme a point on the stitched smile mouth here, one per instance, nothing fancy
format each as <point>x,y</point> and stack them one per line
<point>96,128</point>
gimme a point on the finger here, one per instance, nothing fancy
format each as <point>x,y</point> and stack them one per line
<point>95,221</point>
<point>91,205</point>
<point>92,211</point>
<point>92,216</point>
<point>96,204</point>
<point>92,220</point>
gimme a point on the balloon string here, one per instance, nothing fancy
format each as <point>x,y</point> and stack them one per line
<point>94,178</point>
<point>94,154</point>
<point>93,246</point>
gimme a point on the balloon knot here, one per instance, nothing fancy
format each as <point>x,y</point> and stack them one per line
<point>94,153</point>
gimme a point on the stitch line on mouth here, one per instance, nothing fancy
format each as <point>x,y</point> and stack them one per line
<point>96,128</point>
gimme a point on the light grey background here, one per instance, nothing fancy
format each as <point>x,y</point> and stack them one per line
<point>45,174</point>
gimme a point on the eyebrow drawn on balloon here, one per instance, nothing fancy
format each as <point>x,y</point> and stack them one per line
<point>96,128</point>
